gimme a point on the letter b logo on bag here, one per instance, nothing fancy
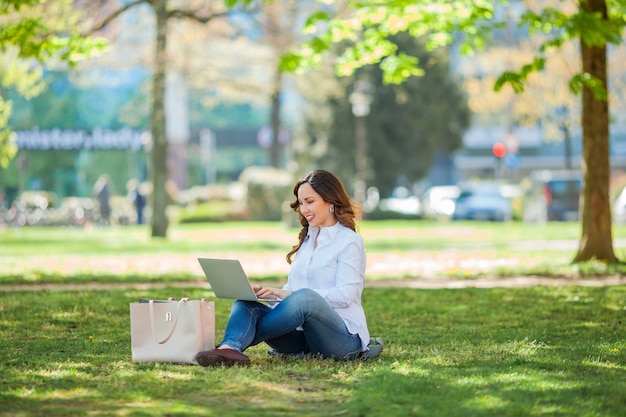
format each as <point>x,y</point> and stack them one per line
<point>188,328</point>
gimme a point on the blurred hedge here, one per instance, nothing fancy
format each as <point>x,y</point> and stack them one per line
<point>266,191</point>
<point>260,194</point>
<point>213,211</point>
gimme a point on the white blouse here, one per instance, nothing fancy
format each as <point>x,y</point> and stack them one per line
<point>336,271</point>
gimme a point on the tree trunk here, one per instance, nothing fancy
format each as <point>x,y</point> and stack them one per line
<point>159,171</point>
<point>596,241</point>
<point>275,119</point>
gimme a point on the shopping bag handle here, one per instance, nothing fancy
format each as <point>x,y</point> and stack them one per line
<point>153,325</point>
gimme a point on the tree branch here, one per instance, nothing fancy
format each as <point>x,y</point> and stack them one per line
<point>196,16</point>
<point>113,16</point>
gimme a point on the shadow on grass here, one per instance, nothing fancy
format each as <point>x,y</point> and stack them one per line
<point>386,387</point>
<point>486,389</point>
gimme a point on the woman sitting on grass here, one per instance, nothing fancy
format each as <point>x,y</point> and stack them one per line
<point>318,311</point>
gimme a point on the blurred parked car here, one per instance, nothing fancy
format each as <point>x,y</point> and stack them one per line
<point>438,201</point>
<point>401,204</point>
<point>619,208</point>
<point>553,195</point>
<point>408,206</point>
<point>482,201</point>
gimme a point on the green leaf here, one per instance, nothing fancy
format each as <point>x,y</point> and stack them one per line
<point>318,44</point>
<point>398,68</point>
<point>16,5</point>
<point>22,76</point>
<point>517,79</point>
<point>290,62</point>
<point>584,79</point>
<point>233,3</point>
<point>552,44</point>
<point>513,78</point>
<point>315,18</point>
<point>547,21</point>
<point>8,146</point>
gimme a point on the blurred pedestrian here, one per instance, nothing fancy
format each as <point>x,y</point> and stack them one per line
<point>138,198</point>
<point>102,190</point>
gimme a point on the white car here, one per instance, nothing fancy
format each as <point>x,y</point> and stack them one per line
<point>619,208</point>
<point>438,201</point>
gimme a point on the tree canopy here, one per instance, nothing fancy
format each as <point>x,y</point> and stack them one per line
<point>407,124</point>
<point>34,33</point>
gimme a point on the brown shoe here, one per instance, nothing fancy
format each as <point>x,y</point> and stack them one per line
<point>226,357</point>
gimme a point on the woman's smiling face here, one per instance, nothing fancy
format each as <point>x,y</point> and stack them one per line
<point>315,210</point>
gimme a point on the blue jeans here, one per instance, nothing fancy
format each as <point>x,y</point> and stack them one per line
<point>324,332</point>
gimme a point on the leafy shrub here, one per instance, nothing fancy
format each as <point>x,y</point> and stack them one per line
<point>380,214</point>
<point>267,189</point>
<point>213,211</point>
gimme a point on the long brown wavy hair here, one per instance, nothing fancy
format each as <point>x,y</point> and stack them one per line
<point>332,191</point>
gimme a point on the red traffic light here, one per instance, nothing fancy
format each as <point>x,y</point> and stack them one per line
<point>499,149</point>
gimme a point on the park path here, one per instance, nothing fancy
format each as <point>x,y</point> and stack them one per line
<point>482,282</point>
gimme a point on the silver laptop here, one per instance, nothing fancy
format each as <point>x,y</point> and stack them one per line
<point>228,279</point>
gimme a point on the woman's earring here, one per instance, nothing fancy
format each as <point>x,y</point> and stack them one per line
<point>332,208</point>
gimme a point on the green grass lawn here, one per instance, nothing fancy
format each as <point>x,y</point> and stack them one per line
<point>540,351</point>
